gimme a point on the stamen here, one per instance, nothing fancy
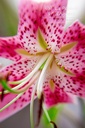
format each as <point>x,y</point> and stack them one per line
<point>2,95</point>
<point>55,126</point>
<point>42,60</point>
<point>6,87</point>
<point>41,78</point>
<point>42,66</point>
<point>31,106</point>
<point>40,109</point>
<point>13,90</point>
<point>27,78</point>
<point>47,115</point>
<point>11,102</point>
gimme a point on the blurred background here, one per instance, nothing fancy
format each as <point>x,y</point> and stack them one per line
<point>67,116</point>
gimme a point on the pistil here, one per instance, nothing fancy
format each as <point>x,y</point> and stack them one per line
<point>29,80</point>
<point>24,80</point>
<point>31,105</point>
<point>14,90</point>
<point>11,102</point>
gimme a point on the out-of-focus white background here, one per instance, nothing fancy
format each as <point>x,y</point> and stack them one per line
<point>75,9</point>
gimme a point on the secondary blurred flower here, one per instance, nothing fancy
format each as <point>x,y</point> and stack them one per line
<point>49,60</point>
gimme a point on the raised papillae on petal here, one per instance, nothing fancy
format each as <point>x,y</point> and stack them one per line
<point>20,69</point>
<point>17,71</point>
<point>17,102</point>
<point>8,45</point>
<point>49,17</point>
<point>58,96</point>
<point>74,59</point>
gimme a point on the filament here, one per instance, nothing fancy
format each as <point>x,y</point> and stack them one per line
<point>41,78</point>
<point>47,115</point>
<point>42,60</point>
<point>20,85</point>
<point>31,106</point>
<point>11,102</point>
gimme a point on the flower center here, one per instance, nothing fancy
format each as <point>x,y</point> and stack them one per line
<point>38,73</point>
<point>36,76</point>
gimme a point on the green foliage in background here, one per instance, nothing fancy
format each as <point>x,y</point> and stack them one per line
<point>8,19</point>
<point>53,113</point>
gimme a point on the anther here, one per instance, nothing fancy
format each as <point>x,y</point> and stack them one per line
<point>2,95</point>
<point>55,126</point>
<point>40,109</point>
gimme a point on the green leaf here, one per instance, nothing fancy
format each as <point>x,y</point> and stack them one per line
<point>8,19</point>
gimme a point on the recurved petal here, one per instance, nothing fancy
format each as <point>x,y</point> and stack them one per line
<point>20,103</point>
<point>61,83</point>
<point>17,71</point>
<point>8,45</point>
<point>73,84</point>
<point>74,59</point>
<point>49,17</point>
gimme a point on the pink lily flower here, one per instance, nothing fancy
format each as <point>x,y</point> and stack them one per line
<point>47,59</point>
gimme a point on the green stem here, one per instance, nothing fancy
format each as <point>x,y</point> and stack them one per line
<point>47,115</point>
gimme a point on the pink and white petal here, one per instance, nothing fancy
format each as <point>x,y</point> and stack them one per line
<point>48,16</point>
<point>8,45</point>
<point>56,97</point>
<point>71,84</point>
<point>52,20</point>
<point>20,69</point>
<point>23,101</point>
<point>74,59</point>
<point>74,85</point>
<point>75,32</point>
<point>28,26</point>
<point>17,71</point>
<point>53,91</point>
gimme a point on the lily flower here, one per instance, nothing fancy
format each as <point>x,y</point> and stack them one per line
<point>48,60</point>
